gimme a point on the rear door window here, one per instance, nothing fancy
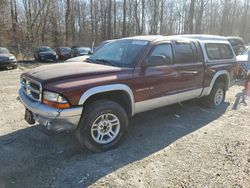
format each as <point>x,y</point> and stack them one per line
<point>184,53</point>
<point>219,51</point>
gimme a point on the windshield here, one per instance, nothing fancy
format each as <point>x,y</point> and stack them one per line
<point>4,51</point>
<point>84,50</point>
<point>102,44</point>
<point>46,49</point>
<point>121,53</point>
<point>65,50</point>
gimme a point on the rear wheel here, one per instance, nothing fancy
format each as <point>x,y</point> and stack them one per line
<point>102,126</point>
<point>217,95</point>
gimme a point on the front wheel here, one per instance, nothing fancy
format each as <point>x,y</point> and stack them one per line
<point>217,95</point>
<point>103,126</point>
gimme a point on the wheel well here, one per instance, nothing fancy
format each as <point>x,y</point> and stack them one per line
<point>121,97</point>
<point>223,79</point>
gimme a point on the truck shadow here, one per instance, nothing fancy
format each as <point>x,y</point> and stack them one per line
<point>33,157</point>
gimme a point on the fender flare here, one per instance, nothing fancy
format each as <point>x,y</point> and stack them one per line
<point>106,88</point>
<point>217,74</point>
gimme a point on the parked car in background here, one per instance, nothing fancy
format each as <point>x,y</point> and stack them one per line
<point>7,59</point>
<point>45,53</point>
<point>243,63</point>
<point>237,43</point>
<point>124,78</point>
<point>85,57</point>
<point>63,53</point>
<point>80,51</point>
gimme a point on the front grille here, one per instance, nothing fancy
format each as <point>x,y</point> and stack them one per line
<point>31,88</point>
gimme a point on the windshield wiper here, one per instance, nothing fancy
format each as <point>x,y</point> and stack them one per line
<point>90,60</point>
<point>100,61</point>
<point>106,62</point>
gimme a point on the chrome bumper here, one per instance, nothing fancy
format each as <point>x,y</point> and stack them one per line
<point>52,118</point>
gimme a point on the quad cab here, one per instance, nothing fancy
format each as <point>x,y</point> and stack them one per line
<point>128,76</point>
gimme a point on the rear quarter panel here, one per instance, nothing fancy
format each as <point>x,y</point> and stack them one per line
<point>211,68</point>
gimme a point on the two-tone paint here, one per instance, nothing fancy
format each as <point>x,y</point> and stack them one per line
<point>147,88</point>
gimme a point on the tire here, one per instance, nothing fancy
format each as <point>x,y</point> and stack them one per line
<point>216,96</point>
<point>54,60</point>
<point>14,66</point>
<point>98,135</point>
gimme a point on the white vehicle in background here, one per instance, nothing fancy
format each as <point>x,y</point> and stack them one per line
<point>78,58</point>
<point>243,63</point>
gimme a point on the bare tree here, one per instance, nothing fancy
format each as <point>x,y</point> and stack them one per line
<point>29,23</point>
<point>244,18</point>
<point>124,18</point>
<point>191,16</point>
<point>67,14</point>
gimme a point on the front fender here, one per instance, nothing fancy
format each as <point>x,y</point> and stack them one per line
<point>107,88</point>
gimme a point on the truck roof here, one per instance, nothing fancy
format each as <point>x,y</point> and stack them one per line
<point>201,38</point>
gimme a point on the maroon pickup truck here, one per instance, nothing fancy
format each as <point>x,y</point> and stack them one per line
<point>125,77</point>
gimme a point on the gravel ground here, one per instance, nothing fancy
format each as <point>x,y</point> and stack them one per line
<point>177,146</point>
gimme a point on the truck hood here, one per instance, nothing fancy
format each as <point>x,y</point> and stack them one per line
<point>57,72</point>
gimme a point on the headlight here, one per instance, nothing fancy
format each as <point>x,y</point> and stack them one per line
<point>55,100</point>
<point>12,58</point>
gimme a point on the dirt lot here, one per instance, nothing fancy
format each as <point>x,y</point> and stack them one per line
<point>176,146</point>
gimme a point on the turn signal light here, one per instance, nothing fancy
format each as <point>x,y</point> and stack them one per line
<point>56,105</point>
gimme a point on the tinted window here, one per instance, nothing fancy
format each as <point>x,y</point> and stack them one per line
<point>65,49</point>
<point>165,50</point>
<point>219,51</point>
<point>84,50</point>
<point>235,42</point>
<point>44,49</point>
<point>184,53</point>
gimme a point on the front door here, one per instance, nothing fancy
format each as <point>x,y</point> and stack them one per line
<point>156,84</point>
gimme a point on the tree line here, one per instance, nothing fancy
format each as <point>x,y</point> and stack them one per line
<point>26,24</point>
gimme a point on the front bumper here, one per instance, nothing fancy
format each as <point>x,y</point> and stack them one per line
<point>53,119</point>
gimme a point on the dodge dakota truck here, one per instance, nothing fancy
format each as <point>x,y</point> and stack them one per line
<point>96,98</point>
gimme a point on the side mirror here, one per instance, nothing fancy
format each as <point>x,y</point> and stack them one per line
<point>156,61</point>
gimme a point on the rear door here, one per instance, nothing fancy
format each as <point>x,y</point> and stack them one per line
<point>189,64</point>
